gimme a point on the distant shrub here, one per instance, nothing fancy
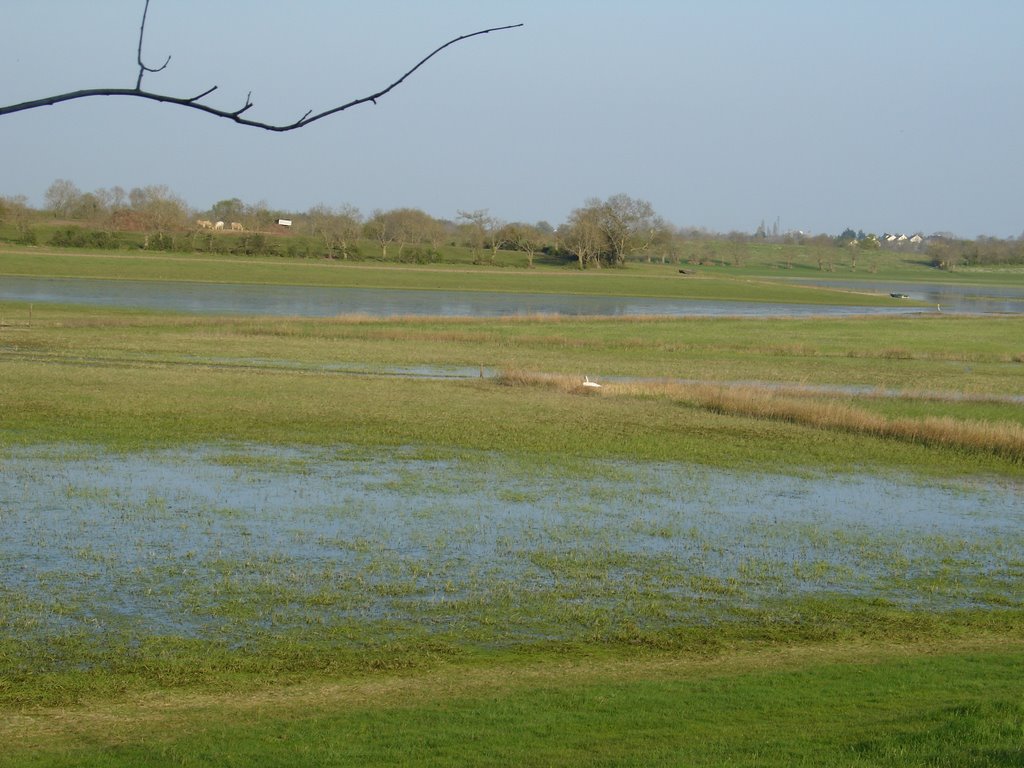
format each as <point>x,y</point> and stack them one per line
<point>255,244</point>
<point>299,249</point>
<point>221,244</point>
<point>203,243</point>
<point>76,237</point>
<point>419,255</point>
<point>160,242</point>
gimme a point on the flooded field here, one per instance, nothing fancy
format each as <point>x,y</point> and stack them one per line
<point>237,543</point>
<point>980,299</point>
<point>312,301</point>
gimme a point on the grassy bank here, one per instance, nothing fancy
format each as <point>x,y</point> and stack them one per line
<point>835,705</point>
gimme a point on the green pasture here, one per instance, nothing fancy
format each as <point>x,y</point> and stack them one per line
<point>824,680</point>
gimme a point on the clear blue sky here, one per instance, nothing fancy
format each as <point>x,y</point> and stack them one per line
<point>902,115</point>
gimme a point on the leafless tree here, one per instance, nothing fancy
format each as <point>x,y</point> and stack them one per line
<point>385,227</point>
<point>61,197</point>
<point>628,225</point>
<point>338,228</point>
<point>15,209</point>
<point>194,102</point>
<point>414,226</point>
<point>158,208</point>
<point>582,236</point>
<point>476,225</point>
<point>523,237</point>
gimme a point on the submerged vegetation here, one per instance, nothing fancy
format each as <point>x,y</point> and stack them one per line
<point>295,539</point>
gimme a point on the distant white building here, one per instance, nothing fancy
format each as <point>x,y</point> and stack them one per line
<point>891,239</point>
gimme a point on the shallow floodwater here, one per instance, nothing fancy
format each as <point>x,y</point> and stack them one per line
<point>312,301</point>
<point>222,542</point>
<point>981,299</point>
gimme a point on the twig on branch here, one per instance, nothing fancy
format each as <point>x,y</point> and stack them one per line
<point>236,116</point>
<point>143,69</point>
<point>207,92</point>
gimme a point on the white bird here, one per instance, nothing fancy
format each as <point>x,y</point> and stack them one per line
<point>592,384</point>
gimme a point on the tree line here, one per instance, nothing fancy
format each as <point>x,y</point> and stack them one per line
<point>600,233</point>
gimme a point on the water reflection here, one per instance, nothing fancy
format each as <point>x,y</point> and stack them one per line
<point>313,301</point>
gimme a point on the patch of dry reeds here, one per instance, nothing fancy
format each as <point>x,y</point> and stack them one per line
<point>1005,439</point>
<point>556,381</point>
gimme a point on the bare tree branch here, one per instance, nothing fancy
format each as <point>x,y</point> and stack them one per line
<point>143,69</point>
<point>236,115</point>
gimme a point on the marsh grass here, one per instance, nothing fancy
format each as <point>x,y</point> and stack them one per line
<point>975,357</point>
<point>805,408</point>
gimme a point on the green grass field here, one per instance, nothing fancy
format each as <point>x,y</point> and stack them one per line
<point>568,662</point>
<point>824,707</point>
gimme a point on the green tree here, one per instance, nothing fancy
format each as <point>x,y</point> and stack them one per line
<point>846,237</point>
<point>229,210</point>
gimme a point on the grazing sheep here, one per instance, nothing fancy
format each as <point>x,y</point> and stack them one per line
<point>236,227</point>
<point>204,224</point>
<point>219,225</point>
